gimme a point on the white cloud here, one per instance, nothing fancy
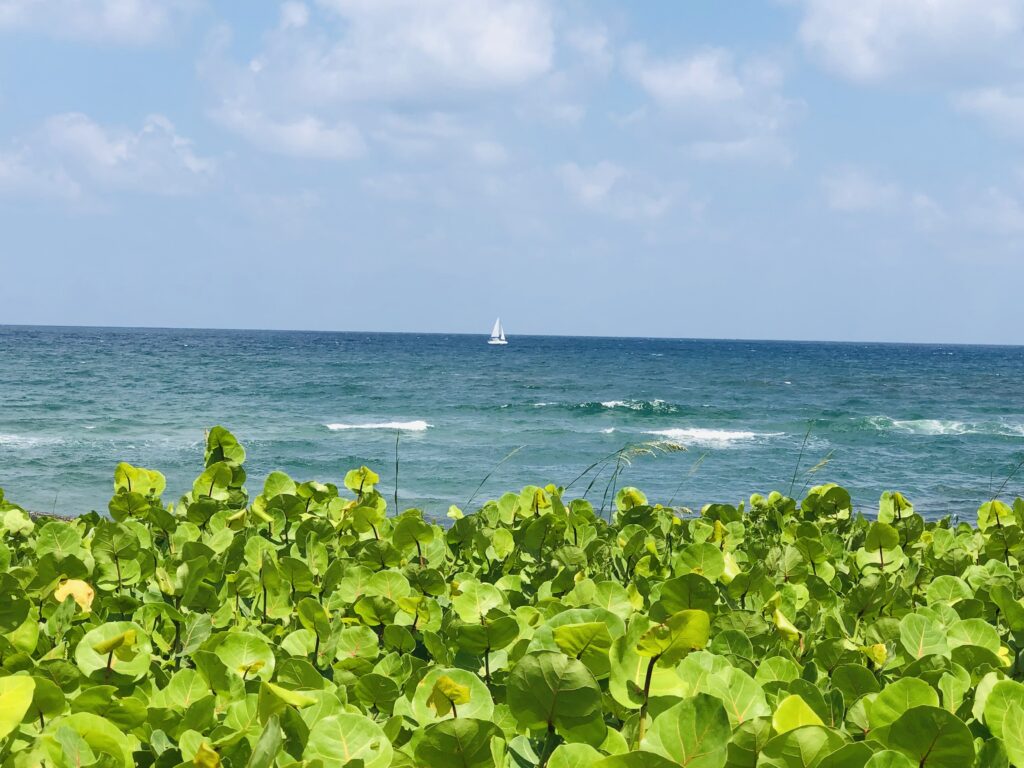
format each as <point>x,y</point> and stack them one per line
<point>395,48</point>
<point>404,50</point>
<point>19,177</point>
<point>593,46</point>
<point>748,148</point>
<point>71,154</point>
<point>296,213</point>
<point>294,15</point>
<point>723,108</point>
<point>331,74</point>
<point>154,158</point>
<point>868,40</point>
<point>706,77</point>
<point>299,136</point>
<point>608,188</point>
<point>132,22</point>
<point>489,153</point>
<point>417,134</point>
<point>997,213</point>
<point>590,186</point>
<point>853,190</point>
<point>1002,108</point>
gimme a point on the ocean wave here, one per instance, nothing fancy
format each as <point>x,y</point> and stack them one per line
<point>935,427</point>
<point>656,406</point>
<point>637,406</point>
<point>406,426</point>
<point>25,441</point>
<point>711,438</point>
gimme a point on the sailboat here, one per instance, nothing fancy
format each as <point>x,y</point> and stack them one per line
<point>497,333</point>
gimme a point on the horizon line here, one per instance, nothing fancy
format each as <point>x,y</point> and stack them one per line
<point>519,335</point>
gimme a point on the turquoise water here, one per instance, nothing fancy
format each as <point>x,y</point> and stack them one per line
<point>944,424</point>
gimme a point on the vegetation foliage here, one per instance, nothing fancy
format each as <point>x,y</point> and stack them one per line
<point>305,626</point>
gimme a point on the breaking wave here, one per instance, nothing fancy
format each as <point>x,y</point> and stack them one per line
<point>407,426</point>
<point>711,438</point>
<point>946,427</point>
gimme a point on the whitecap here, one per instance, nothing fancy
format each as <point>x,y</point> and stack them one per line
<point>711,438</point>
<point>25,441</point>
<point>633,405</point>
<point>938,427</point>
<point>933,426</point>
<point>408,426</point>
<point>640,405</point>
<point>608,431</point>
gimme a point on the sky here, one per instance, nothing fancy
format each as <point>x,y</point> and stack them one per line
<point>792,169</point>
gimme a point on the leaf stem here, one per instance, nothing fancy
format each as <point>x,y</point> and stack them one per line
<point>642,726</point>
<point>549,746</point>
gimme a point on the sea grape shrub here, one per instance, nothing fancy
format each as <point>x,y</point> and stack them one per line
<point>308,625</point>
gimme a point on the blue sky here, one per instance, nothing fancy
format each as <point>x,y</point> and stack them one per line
<point>810,169</point>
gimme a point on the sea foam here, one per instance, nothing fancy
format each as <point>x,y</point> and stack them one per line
<point>710,438</point>
<point>640,405</point>
<point>406,426</point>
<point>933,427</point>
<point>24,441</point>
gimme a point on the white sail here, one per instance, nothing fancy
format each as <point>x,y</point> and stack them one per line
<point>497,334</point>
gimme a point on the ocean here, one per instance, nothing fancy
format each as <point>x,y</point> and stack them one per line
<point>944,424</point>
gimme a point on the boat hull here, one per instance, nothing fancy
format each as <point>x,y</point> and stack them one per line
<point>496,341</point>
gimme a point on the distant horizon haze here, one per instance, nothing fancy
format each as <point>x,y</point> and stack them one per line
<point>485,334</point>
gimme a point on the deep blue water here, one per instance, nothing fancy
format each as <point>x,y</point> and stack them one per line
<point>944,424</point>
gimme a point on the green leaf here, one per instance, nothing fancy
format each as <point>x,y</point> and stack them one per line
<point>898,697</point>
<point>114,651</point>
<point>479,704</point>
<point>574,756</point>
<point>922,636</point>
<point>446,695</point>
<point>889,758</point>
<point>932,738</point>
<point>803,747</point>
<point>743,698</point>
<point>549,689</point>
<point>459,743</point>
<point>635,760</point>
<point>268,746</point>
<point>345,739</point>
<point>1003,698</point>
<point>101,735</point>
<point>1013,733</point>
<point>793,712</point>
<point>475,600</point>
<point>15,699</point>
<point>588,641</point>
<point>247,655</point>
<point>679,634</point>
<point>695,733</point>
<point>362,480</point>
